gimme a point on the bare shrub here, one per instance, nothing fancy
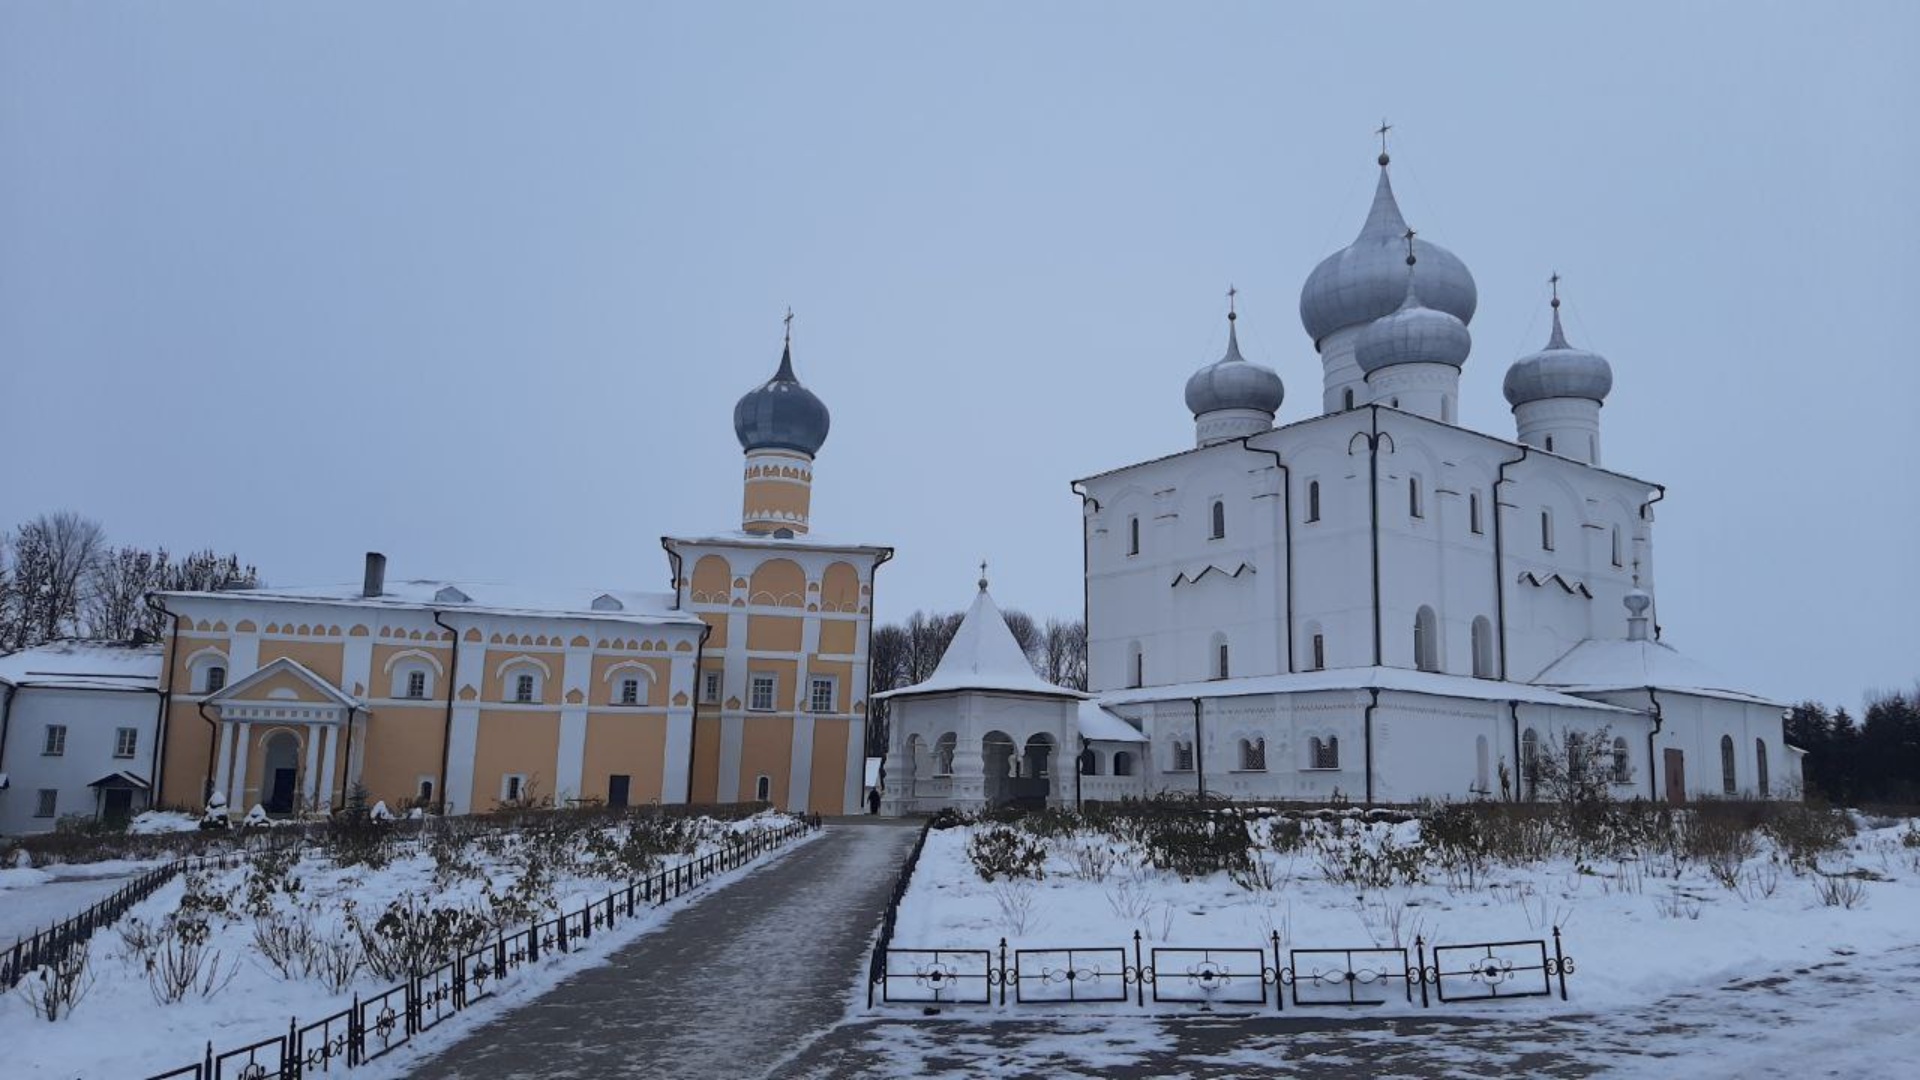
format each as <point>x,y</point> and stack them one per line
<point>270,874</point>
<point>1677,905</point>
<point>1806,831</point>
<point>1130,898</point>
<point>411,938</point>
<point>1001,852</point>
<point>1016,899</point>
<point>527,899</point>
<point>336,958</point>
<point>1354,857</point>
<point>285,942</point>
<point>1091,860</point>
<point>53,991</point>
<point>1261,873</point>
<point>1844,891</point>
<point>184,962</point>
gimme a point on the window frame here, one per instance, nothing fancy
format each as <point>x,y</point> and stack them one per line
<point>1323,755</point>
<point>526,688</point>
<point>1473,513</point>
<point>1253,754</point>
<point>1319,652</point>
<point>1218,520</point>
<point>1622,760</point>
<point>710,685</point>
<point>755,680</point>
<point>415,675</point>
<point>54,741</point>
<point>1729,767</point>
<point>1313,502</point>
<point>763,788</point>
<point>126,742</point>
<point>46,803</point>
<point>1546,530</point>
<point>1182,752</point>
<point>629,694</point>
<point>1416,506</point>
<point>513,787</point>
<point>832,683</point>
<point>1133,535</point>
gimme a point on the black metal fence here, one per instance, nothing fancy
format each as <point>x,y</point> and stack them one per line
<point>50,946</point>
<point>376,1025</point>
<point>877,967</point>
<point>1217,975</point>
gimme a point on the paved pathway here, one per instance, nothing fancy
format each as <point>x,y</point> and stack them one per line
<point>727,987</point>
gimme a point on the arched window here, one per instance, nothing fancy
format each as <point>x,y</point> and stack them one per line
<point>1530,761</point>
<point>1133,536</point>
<point>763,789</point>
<point>1219,519</point>
<point>1546,530</point>
<point>1622,766</point>
<point>1426,640</point>
<point>1122,763</point>
<point>1089,762</point>
<point>1218,660</point>
<point>207,672</point>
<point>1323,753</point>
<point>1576,756</point>
<point>1729,780</point>
<point>1313,500</point>
<point>216,679</point>
<point>1616,545</point>
<point>1760,767</point>
<point>943,748</point>
<point>1319,652</point>
<point>1253,755</point>
<point>1414,507</point>
<point>1549,444</point>
<point>1136,665</point>
<point>522,680</point>
<point>1482,647</point>
<point>1480,774</point>
<point>1473,511</point>
<point>1347,397</point>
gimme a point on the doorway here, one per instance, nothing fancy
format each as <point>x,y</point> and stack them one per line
<point>1676,766</point>
<point>617,786</point>
<point>119,804</point>
<point>282,772</point>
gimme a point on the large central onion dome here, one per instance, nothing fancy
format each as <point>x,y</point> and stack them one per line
<point>1415,334</point>
<point>1232,382</point>
<point>1366,279</point>
<point>781,414</point>
<point>1559,371</point>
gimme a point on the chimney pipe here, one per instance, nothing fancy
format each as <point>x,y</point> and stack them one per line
<point>376,579</point>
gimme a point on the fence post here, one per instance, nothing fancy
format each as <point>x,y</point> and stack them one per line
<point>533,942</point>
<point>560,934</point>
<point>290,1054</point>
<point>356,1036</point>
<point>1560,963</point>
<point>1003,973</point>
<point>1139,974</point>
<point>1420,949</point>
<point>1279,988</point>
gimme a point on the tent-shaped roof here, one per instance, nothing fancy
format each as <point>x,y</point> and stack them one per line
<point>1597,665</point>
<point>984,656</point>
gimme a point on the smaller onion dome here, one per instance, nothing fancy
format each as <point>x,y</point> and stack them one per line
<point>781,414</point>
<point>1232,382</point>
<point>1415,334</point>
<point>1559,371</point>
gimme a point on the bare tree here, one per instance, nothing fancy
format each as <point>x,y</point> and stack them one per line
<point>204,571</point>
<point>1026,632</point>
<point>886,667</point>
<point>1063,653</point>
<point>927,639</point>
<point>52,559</point>
<point>116,595</point>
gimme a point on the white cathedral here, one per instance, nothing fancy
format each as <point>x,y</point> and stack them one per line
<point>1372,604</point>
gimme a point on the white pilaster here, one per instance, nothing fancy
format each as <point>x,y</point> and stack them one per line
<point>223,773</point>
<point>673,769</point>
<point>800,764</point>
<point>569,767</point>
<point>462,741</point>
<point>237,793</point>
<point>731,734</point>
<point>329,736</point>
<point>310,786</point>
<point>854,790</point>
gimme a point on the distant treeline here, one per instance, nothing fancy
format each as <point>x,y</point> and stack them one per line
<point>1851,762</point>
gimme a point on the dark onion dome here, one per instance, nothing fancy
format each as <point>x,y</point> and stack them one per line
<point>1559,371</point>
<point>1231,382</point>
<point>1415,334</point>
<point>782,414</point>
<point>1365,280</point>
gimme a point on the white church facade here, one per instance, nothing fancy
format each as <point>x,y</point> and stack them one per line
<point>1372,603</point>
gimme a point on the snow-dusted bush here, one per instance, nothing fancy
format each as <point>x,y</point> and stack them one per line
<point>1368,857</point>
<point>1091,860</point>
<point>1805,831</point>
<point>1001,852</point>
<point>1194,844</point>
<point>285,941</point>
<point>53,991</point>
<point>270,874</point>
<point>528,899</point>
<point>354,838</point>
<point>1017,900</point>
<point>1844,891</point>
<point>183,962</point>
<point>411,938</point>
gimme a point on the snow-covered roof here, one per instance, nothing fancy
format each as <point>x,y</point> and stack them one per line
<point>1099,725</point>
<point>486,598</point>
<point>983,656</point>
<point>1362,678</point>
<point>806,541</point>
<point>1606,664</point>
<point>84,665</point>
<point>121,779</point>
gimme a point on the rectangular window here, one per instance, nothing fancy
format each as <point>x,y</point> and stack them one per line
<point>1319,652</point>
<point>1546,530</point>
<point>523,689</point>
<point>56,743</point>
<point>1326,755</point>
<point>710,691</point>
<point>1616,545</point>
<point>820,695</point>
<point>760,690</point>
<point>629,691</point>
<point>1414,509</point>
<point>1473,511</point>
<point>416,684</point>
<point>513,787</point>
<point>216,679</point>
<point>126,740</point>
<point>1182,757</point>
<point>1133,536</point>
<point>48,801</point>
<point>1313,500</point>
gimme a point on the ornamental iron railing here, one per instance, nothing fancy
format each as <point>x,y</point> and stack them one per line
<point>1219,975</point>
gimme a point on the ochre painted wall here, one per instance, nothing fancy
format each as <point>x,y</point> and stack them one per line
<point>766,748</point>
<point>826,792</point>
<point>323,658</point>
<point>403,743</point>
<point>630,743</point>
<point>706,760</point>
<point>513,742</point>
<point>838,637</point>
<point>774,633</point>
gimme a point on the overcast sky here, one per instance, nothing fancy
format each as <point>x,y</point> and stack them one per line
<point>477,284</point>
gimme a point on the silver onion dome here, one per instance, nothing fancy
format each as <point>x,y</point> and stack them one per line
<point>1366,279</point>
<point>781,414</point>
<point>1559,371</point>
<point>1232,382</point>
<point>1414,334</point>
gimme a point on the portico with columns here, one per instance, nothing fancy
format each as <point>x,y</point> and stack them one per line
<point>282,706</point>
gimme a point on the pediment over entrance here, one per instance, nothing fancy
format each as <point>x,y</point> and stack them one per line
<point>283,690</point>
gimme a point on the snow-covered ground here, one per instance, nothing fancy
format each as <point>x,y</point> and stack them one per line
<point>120,1028</point>
<point>1637,930</point>
<point>33,899</point>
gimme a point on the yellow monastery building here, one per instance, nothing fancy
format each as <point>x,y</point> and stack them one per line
<point>747,681</point>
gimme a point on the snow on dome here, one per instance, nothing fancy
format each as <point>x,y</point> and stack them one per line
<point>1366,279</point>
<point>781,414</point>
<point>1414,334</point>
<point>1231,382</point>
<point>1558,371</point>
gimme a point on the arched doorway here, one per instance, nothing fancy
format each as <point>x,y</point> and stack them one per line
<point>280,772</point>
<point>1035,783</point>
<point>999,763</point>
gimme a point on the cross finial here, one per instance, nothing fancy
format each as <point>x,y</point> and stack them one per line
<point>1231,293</point>
<point>789,323</point>
<point>1409,239</point>
<point>1555,282</point>
<point>1382,132</point>
<point>983,575</point>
